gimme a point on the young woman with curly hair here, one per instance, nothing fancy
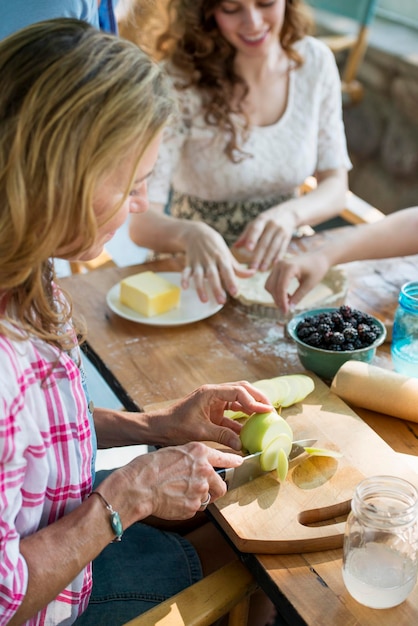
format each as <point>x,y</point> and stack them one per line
<point>259,110</point>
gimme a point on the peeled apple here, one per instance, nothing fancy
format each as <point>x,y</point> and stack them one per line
<point>261,428</point>
<point>269,433</point>
<point>272,435</point>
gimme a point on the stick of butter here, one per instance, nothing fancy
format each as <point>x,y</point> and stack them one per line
<point>149,294</point>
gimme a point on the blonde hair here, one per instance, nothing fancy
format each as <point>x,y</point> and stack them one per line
<point>73,101</point>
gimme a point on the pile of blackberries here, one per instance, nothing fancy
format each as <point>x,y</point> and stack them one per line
<point>339,330</point>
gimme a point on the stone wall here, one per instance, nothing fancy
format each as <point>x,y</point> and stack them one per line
<point>382,133</point>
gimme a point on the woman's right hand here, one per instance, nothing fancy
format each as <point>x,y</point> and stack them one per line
<point>308,269</point>
<point>170,483</point>
<point>210,263</point>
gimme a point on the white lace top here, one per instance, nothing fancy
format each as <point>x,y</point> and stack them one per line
<point>308,138</point>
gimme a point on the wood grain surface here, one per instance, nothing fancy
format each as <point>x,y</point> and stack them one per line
<point>301,514</point>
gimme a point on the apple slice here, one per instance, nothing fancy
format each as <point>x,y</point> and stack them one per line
<point>323,452</point>
<point>282,465</point>
<point>299,386</point>
<point>276,389</point>
<point>282,391</point>
<point>269,458</point>
<point>261,428</point>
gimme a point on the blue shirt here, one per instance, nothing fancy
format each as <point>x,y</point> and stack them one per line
<point>21,13</point>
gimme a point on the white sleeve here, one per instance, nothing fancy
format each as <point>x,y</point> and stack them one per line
<point>332,145</point>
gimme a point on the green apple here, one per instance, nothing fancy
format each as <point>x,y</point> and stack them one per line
<point>269,458</point>
<point>261,428</point>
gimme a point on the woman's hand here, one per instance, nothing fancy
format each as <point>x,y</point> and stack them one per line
<point>172,483</point>
<point>200,415</point>
<point>308,269</point>
<point>268,236</point>
<point>209,263</point>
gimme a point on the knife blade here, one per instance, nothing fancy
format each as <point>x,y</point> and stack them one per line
<point>250,467</point>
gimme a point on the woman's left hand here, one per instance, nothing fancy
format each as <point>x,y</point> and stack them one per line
<point>268,237</point>
<point>199,416</point>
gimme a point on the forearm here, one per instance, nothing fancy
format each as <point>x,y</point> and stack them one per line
<point>395,235</point>
<point>123,428</point>
<point>157,231</point>
<point>324,202</point>
<point>53,562</point>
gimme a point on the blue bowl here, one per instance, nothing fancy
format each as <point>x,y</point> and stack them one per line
<point>326,363</point>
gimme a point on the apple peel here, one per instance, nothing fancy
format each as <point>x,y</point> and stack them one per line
<point>234,415</point>
<point>323,452</point>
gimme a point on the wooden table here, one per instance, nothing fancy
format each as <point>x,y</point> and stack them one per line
<point>146,365</point>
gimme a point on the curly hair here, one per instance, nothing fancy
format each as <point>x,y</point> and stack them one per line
<point>73,101</point>
<point>193,44</point>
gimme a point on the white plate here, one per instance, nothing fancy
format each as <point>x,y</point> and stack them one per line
<point>191,309</point>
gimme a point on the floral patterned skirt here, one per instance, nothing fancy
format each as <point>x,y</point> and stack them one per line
<point>228,218</point>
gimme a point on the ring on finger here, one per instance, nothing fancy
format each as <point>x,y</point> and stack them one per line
<point>205,502</point>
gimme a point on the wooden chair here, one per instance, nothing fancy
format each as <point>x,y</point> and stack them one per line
<point>358,14</point>
<point>226,591</point>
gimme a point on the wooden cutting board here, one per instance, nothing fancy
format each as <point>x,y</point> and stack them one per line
<point>307,512</point>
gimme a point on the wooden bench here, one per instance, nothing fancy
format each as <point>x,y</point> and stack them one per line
<point>226,591</point>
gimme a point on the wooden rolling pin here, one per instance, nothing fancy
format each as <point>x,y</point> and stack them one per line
<point>377,389</point>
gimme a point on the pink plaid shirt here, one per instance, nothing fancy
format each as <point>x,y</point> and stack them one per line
<point>45,466</point>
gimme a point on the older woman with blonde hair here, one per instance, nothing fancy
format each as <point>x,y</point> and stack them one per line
<point>259,110</point>
<point>81,116</point>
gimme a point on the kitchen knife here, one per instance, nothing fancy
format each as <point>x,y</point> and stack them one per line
<point>250,467</point>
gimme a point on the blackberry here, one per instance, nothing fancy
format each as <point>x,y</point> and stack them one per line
<point>324,327</point>
<point>363,329</point>
<point>338,338</point>
<point>346,312</point>
<point>314,339</point>
<point>350,333</point>
<point>305,331</point>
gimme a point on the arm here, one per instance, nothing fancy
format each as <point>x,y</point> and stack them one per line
<point>169,484</point>
<point>199,416</point>
<point>396,235</point>
<point>206,254</point>
<point>149,485</point>
<point>270,233</point>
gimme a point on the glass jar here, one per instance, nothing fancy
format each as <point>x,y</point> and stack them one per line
<point>380,542</point>
<point>405,331</point>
